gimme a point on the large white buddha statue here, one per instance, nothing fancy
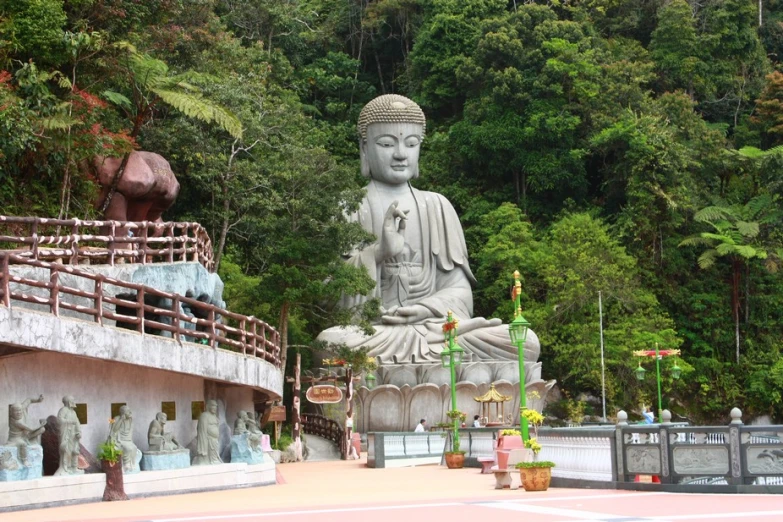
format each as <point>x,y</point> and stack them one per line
<point>419,260</point>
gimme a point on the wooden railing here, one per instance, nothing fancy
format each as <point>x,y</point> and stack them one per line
<point>132,307</point>
<point>315,424</point>
<point>72,241</point>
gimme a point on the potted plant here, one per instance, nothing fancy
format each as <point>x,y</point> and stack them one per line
<point>535,475</point>
<point>509,439</point>
<point>455,459</point>
<point>111,464</point>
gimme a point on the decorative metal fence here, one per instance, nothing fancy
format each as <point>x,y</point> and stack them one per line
<point>129,305</point>
<point>73,241</point>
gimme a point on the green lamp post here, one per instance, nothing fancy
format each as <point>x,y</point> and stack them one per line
<point>518,332</point>
<point>658,354</point>
<point>451,357</point>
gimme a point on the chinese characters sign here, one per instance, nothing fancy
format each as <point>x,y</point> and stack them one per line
<point>324,394</point>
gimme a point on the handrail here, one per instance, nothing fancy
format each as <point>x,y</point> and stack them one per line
<point>315,424</point>
<point>206,323</point>
<point>111,242</point>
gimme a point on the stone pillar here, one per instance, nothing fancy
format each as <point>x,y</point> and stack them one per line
<point>735,450</point>
<point>622,420</point>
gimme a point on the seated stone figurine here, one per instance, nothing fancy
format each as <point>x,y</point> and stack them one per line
<point>121,435</point>
<point>419,260</point>
<point>157,437</point>
<point>20,434</point>
<point>243,426</point>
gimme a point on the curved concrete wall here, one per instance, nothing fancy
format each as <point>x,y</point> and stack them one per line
<point>40,331</point>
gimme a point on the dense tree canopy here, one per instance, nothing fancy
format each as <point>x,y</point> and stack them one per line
<point>626,147</point>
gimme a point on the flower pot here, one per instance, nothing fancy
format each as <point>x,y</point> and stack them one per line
<point>510,442</point>
<point>115,485</point>
<point>455,460</point>
<point>535,479</point>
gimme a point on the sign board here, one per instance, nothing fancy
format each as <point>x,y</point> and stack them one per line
<point>324,394</point>
<point>276,413</point>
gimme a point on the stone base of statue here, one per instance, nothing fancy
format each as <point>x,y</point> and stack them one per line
<point>242,451</point>
<point>160,460</point>
<point>12,469</point>
<point>407,393</point>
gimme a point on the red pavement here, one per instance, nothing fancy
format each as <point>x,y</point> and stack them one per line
<point>348,492</point>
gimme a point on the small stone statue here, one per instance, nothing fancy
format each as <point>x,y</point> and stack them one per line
<point>253,426</point>
<point>20,434</point>
<point>207,438</point>
<point>70,435</point>
<point>121,435</point>
<point>244,426</point>
<point>157,437</point>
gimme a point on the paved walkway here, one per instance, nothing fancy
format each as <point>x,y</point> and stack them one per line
<point>347,491</point>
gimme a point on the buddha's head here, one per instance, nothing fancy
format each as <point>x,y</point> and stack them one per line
<point>391,129</point>
<point>161,417</point>
<point>69,401</point>
<point>125,412</point>
<point>212,406</point>
<point>242,415</point>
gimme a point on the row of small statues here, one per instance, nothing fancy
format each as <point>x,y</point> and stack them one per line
<point>22,435</point>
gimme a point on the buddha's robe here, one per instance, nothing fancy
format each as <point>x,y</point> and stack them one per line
<point>437,276</point>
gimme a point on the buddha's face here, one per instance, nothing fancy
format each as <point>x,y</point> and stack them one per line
<point>16,412</point>
<point>212,407</point>
<point>392,151</point>
<point>162,417</point>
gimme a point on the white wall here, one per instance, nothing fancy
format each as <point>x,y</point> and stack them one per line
<point>100,383</point>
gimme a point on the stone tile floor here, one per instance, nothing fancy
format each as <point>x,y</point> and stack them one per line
<point>347,491</point>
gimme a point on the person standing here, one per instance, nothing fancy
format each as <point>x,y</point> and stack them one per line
<point>476,422</point>
<point>421,427</point>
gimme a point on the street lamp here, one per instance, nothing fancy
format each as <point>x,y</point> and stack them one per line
<point>369,380</point>
<point>451,357</point>
<point>658,354</point>
<point>517,330</point>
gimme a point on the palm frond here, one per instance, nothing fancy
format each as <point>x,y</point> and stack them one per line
<point>712,213</point>
<point>707,259</point>
<point>198,107</point>
<point>696,241</point>
<point>118,99</point>
<point>749,229</point>
<point>720,238</point>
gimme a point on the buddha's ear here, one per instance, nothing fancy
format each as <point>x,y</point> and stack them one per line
<point>365,163</point>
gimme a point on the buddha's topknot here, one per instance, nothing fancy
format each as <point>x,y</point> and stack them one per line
<point>390,108</point>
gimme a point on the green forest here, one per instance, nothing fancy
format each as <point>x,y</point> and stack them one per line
<point>628,147</point>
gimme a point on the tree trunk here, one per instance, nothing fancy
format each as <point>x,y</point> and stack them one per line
<point>747,295</point>
<point>115,485</point>
<point>296,414</point>
<point>223,225</point>
<point>283,326</point>
<point>735,289</point>
<point>348,431</point>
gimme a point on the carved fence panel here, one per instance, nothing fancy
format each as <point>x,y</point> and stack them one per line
<point>73,241</point>
<point>147,310</point>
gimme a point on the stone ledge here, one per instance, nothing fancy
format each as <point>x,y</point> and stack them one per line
<point>52,491</point>
<point>25,328</point>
